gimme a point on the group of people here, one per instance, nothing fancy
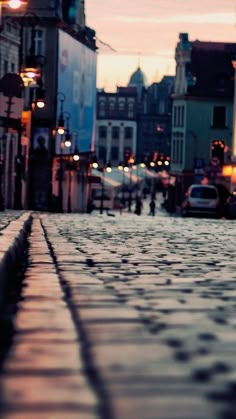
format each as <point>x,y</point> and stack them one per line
<point>137,210</point>
<point>139,206</point>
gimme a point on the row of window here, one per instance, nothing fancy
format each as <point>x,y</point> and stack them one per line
<point>102,153</point>
<point>178,116</point>
<point>38,41</point>
<point>126,109</point>
<point>113,153</point>
<point>115,132</point>
<point>177,148</point>
<point>218,117</point>
<point>11,67</point>
<point>217,149</point>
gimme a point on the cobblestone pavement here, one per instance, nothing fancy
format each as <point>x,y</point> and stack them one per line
<point>7,216</point>
<point>125,317</point>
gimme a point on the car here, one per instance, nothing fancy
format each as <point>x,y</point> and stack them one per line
<point>230,206</point>
<point>201,200</point>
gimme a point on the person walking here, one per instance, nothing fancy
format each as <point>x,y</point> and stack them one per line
<point>152,206</point>
<point>138,206</point>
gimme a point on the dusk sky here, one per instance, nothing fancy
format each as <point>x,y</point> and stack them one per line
<point>146,32</point>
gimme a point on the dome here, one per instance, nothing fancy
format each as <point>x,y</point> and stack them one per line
<point>138,79</point>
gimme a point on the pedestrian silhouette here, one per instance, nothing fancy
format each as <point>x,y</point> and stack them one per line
<point>138,206</point>
<point>152,206</point>
<point>122,204</point>
<point>90,206</point>
<point>40,151</point>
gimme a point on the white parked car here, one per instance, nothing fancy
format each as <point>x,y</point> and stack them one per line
<point>201,199</point>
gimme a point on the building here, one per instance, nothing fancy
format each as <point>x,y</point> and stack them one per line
<point>154,122</point>
<point>56,43</point>
<point>116,127</point>
<point>11,106</point>
<point>202,111</point>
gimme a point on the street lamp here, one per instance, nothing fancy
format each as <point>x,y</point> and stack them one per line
<point>67,130</point>
<point>61,122</point>
<point>129,168</point>
<point>76,145</point>
<point>72,165</point>
<point>60,131</point>
<point>11,4</point>
<point>122,168</point>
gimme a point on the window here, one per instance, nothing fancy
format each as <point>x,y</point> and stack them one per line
<point>161,107</point>
<point>203,192</point>
<point>114,153</point>
<point>178,116</point>
<point>128,132</point>
<point>101,109</point>
<point>38,42</point>
<point>5,66</point>
<point>102,153</point>
<point>111,106</point>
<point>177,151</point>
<point>102,131</point>
<point>13,67</point>
<point>219,117</point>
<point>115,133</point>
<point>130,108</point>
<point>121,105</point>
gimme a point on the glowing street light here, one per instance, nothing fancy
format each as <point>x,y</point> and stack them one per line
<point>11,4</point>
<point>15,4</point>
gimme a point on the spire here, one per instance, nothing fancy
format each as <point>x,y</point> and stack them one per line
<point>139,59</point>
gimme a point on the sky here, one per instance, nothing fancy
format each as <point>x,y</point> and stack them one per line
<point>145,33</point>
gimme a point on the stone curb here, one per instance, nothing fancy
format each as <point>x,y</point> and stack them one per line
<point>12,247</point>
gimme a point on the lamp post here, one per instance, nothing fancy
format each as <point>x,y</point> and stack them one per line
<point>130,169</point>
<point>122,168</point>
<point>61,122</point>
<point>71,167</point>
<point>11,4</point>
<point>67,130</point>
<point>106,168</point>
<point>60,131</point>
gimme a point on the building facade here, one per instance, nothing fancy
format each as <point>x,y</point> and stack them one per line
<point>54,38</point>
<point>154,122</point>
<point>202,110</point>
<point>116,126</point>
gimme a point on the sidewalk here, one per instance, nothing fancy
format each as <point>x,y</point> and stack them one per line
<point>44,375</point>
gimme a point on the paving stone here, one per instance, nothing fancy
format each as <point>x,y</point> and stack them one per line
<point>56,390</point>
<point>35,355</point>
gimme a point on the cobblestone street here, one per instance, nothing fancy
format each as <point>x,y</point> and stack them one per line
<point>125,317</point>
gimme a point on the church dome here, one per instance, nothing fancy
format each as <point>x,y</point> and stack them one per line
<point>138,79</point>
